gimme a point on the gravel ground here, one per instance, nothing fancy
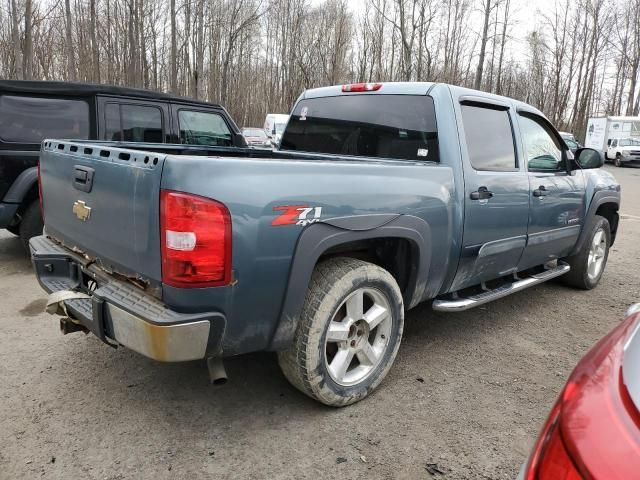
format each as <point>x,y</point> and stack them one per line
<point>468,391</point>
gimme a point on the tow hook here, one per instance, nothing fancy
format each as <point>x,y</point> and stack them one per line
<point>68,326</point>
<point>217,373</point>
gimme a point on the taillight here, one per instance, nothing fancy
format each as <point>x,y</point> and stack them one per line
<point>40,192</point>
<point>195,241</point>
<point>361,87</point>
<point>593,430</point>
<point>550,460</point>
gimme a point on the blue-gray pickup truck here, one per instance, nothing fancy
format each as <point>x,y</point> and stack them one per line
<point>380,196</point>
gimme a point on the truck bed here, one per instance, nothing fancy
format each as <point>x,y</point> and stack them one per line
<point>121,231</point>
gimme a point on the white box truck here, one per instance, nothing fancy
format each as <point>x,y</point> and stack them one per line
<point>601,131</point>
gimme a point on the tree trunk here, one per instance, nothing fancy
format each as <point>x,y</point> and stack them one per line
<point>483,44</point>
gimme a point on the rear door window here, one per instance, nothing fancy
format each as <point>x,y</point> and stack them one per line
<point>203,128</point>
<point>133,123</point>
<point>489,138</point>
<point>386,126</point>
<point>26,119</point>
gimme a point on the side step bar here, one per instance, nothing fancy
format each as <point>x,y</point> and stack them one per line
<point>460,304</point>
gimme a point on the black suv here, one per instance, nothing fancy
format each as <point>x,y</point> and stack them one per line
<point>33,111</point>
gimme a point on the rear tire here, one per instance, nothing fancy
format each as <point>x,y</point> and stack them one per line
<point>618,161</point>
<point>587,266</point>
<point>31,224</point>
<point>348,334</point>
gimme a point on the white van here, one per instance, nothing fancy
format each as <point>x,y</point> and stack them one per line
<point>274,125</point>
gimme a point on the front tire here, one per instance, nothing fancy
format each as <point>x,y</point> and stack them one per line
<point>31,224</point>
<point>618,161</point>
<point>349,332</point>
<point>587,266</point>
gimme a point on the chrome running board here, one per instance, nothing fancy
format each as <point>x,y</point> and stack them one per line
<point>460,304</point>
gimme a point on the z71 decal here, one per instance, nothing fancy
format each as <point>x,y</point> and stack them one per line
<point>297,215</point>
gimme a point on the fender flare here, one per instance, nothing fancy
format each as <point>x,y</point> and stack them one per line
<point>317,238</point>
<point>21,186</point>
<point>599,198</point>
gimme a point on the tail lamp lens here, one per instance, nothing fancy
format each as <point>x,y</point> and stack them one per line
<point>555,463</point>
<point>195,241</point>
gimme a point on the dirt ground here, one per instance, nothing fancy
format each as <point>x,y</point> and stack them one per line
<point>468,391</point>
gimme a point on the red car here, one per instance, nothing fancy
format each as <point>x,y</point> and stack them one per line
<point>593,431</point>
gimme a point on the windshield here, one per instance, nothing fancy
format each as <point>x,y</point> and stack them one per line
<point>386,126</point>
<point>280,127</point>
<point>254,132</point>
<point>570,143</point>
<point>629,142</point>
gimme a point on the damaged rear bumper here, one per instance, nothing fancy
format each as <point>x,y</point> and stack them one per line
<point>120,313</point>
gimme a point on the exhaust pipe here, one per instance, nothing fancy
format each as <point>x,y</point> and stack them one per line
<point>67,326</point>
<point>217,373</point>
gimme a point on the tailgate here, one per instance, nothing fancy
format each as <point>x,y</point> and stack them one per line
<point>104,202</point>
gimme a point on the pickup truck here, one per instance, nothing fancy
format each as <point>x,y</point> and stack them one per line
<point>380,197</point>
<point>624,151</point>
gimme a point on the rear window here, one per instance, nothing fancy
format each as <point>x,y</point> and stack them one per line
<point>32,119</point>
<point>386,126</point>
<point>489,138</point>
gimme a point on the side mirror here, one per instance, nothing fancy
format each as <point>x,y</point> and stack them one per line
<point>588,158</point>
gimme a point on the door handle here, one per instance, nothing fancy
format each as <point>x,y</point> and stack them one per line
<point>82,178</point>
<point>481,194</point>
<point>541,191</point>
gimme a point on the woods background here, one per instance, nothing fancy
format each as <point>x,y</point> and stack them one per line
<point>581,57</point>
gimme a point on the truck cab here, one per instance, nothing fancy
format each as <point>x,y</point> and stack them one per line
<point>31,111</point>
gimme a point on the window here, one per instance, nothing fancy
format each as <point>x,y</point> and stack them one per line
<point>201,128</point>
<point>387,126</point>
<point>542,148</point>
<point>489,138</point>
<point>133,123</point>
<point>32,119</point>
<point>614,143</point>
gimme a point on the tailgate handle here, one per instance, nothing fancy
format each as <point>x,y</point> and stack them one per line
<point>83,178</point>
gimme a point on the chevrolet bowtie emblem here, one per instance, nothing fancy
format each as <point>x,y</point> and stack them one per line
<point>81,210</point>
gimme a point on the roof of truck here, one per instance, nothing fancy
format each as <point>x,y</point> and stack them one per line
<point>422,88</point>
<point>87,89</point>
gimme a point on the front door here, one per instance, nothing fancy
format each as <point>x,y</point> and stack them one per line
<point>557,196</point>
<point>496,195</point>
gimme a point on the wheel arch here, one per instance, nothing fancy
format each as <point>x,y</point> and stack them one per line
<point>605,204</point>
<point>23,187</point>
<point>406,237</point>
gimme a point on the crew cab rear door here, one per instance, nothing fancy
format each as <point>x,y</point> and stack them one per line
<point>496,193</point>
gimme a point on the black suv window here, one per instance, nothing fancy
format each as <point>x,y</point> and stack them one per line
<point>387,126</point>
<point>542,148</point>
<point>489,138</point>
<point>133,123</point>
<point>203,128</point>
<point>32,119</point>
